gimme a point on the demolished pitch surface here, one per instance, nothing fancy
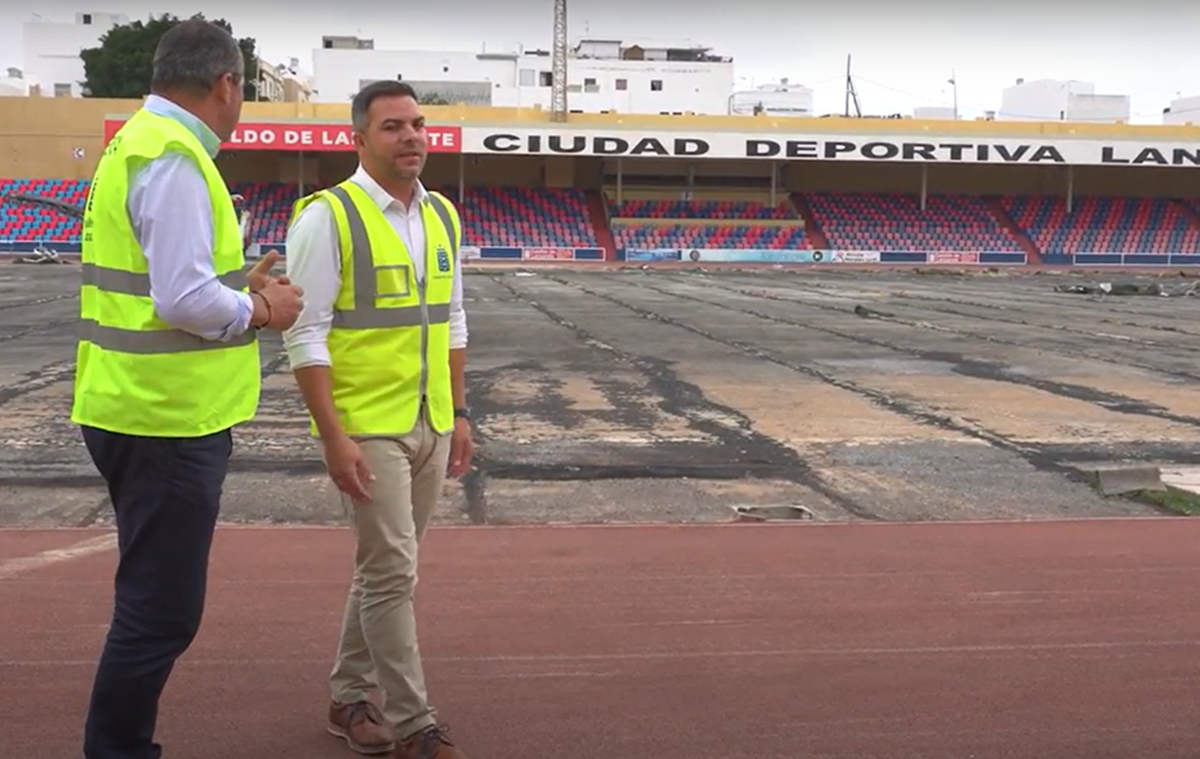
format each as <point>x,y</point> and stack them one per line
<point>673,395</point>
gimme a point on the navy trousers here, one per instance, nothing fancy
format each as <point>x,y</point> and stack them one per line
<point>166,496</point>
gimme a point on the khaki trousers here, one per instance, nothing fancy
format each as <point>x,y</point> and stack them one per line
<point>378,646</point>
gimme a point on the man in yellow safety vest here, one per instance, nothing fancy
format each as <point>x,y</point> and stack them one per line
<point>379,355</point>
<point>167,364</point>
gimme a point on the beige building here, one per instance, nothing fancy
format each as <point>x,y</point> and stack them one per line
<point>280,83</point>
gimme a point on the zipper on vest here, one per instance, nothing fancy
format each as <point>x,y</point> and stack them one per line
<point>424,334</point>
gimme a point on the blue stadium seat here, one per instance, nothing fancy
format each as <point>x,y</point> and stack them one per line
<point>895,222</point>
<point>1104,225</point>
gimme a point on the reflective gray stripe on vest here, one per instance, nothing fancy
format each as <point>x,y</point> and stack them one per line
<point>444,214</point>
<point>156,341</point>
<point>149,341</point>
<point>133,283</point>
<point>365,314</point>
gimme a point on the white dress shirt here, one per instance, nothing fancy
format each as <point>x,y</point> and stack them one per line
<point>314,263</point>
<point>171,212</point>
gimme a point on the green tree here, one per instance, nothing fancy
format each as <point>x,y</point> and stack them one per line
<point>123,64</point>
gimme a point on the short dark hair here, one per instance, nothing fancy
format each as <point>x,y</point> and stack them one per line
<point>193,55</point>
<point>386,88</point>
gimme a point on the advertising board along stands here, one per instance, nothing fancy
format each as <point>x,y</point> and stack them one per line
<point>488,253</point>
<point>773,256</point>
<point>545,255</point>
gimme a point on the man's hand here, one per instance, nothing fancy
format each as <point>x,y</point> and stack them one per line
<point>260,276</point>
<point>462,448</point>
<point>277,306</point>
<point>348,467</point>
<point>279,303</point>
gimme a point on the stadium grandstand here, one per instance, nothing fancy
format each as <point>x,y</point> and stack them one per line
<point>524,217</point>
<point>1083,204</point>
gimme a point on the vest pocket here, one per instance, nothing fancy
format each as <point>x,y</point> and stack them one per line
<point>392,281</point>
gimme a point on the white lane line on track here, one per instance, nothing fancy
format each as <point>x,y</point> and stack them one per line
<point>10,568</point>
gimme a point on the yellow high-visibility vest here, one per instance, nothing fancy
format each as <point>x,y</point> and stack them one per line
<point>389,343</point>
<point>135,374</point>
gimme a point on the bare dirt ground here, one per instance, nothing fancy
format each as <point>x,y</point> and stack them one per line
<point>625,394</point>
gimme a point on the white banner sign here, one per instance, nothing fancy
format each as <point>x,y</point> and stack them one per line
<point>966,149</point>
<point>855,256</point>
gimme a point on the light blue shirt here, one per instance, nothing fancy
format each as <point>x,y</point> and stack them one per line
<point>171,212</point>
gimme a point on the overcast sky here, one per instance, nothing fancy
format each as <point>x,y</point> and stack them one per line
<point>903,52</point>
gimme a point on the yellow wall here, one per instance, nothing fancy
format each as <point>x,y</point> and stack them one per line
<point>38,136</point>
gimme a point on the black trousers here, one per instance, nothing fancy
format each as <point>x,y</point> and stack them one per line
<point>166,496</point>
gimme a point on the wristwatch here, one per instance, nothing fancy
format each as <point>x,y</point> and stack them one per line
<point>463,413</point>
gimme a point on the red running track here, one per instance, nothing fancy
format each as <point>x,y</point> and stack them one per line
<point>1045,640</point>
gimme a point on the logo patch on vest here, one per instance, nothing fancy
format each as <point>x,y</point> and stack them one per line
<point>443,259</point>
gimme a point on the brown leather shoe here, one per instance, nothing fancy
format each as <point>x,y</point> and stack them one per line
<point>362,726</point>
<point>429,743</point>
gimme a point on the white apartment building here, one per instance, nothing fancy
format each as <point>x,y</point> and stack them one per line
<point>283,83</point>
<point>780,99</point>
<point>52,66</point>
<point>14,84</point>
<point>1051,100</point>
<point>1183,110</point>
<point>604,75</point>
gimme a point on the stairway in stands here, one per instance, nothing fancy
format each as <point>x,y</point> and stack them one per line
<point>598,211</point>
<point>1188,212</point>
<point>1006,221</point>
<point>811,225</point>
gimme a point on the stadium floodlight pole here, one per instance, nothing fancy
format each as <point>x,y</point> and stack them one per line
<point>849,86</point>
<point>851,92</point>
<point>953,82</point>
<point>558,88</point>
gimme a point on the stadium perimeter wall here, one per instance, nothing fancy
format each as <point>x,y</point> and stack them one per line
<point>62,138</point>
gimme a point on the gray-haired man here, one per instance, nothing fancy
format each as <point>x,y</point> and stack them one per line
<point>156,406</point>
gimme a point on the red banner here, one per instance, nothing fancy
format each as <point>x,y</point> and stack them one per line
<point>310,137</point>
<point>952,257</point>
<point>548,254</point>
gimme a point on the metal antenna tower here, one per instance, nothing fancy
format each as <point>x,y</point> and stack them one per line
<point>851,92</point>
<point>558,89</point>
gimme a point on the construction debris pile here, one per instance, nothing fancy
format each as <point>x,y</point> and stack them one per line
<point>1130,288</point>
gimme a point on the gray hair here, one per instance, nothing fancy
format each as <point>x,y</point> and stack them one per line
<point>361,106</point>
<point>193,55</point>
